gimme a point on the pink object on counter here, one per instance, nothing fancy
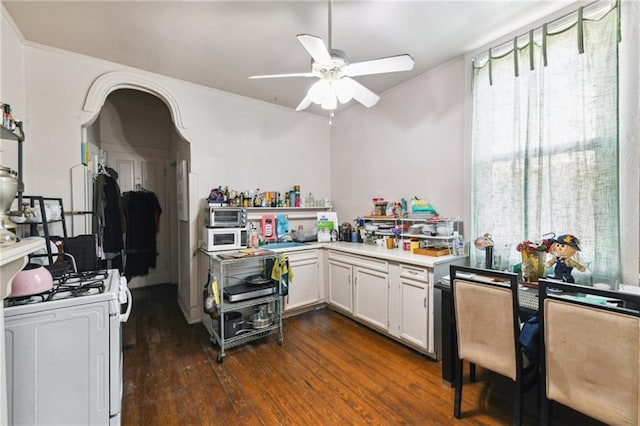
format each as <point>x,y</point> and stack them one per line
<point>33,279</point>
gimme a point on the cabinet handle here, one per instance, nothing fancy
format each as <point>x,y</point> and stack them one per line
<point>413,272</point>
<point>425,302</point>
<point>349,279</point>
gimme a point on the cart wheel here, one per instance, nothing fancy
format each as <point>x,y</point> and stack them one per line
<point>280,340</point>
<point>220,359</point>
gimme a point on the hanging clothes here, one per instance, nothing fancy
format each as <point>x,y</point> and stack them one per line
<point>142,217</point>
<point>109,223</point>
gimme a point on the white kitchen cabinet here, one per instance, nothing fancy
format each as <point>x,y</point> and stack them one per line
<point>340,285</point>
<point>415,300</point>
<point>360,286</point>
<point>304,289</point>
<point>371,296</point>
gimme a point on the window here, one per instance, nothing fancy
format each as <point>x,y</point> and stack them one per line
<point>545,138</point>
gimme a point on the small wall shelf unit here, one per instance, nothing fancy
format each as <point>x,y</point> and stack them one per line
<point>431,232</point>
<point>233,271</point>
<point>18,136</point>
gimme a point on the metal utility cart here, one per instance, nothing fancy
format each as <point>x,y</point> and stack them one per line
<point>242,281</point>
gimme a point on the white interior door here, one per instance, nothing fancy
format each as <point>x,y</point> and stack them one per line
<point>147,171</point>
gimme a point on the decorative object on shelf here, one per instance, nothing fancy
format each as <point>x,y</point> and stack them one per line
<point>485,243</point>
<point>379,206</point>
<point>564,251</point>
<point>8,189</point>
<point>422,209</point>
<point>533,257</point>
<point>217,196</point>
<point>326,223</point>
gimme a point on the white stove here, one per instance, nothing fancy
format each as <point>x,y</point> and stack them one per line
<point>64,351</point>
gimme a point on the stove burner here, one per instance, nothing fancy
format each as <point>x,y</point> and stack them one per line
<point>77,288</point>
<point>82,277</point>
<point>70,284</point>
<point>25,300</point>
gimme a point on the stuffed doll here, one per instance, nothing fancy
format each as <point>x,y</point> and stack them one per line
<point>563,251</point>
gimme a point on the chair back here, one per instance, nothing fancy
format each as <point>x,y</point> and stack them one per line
<point>591,355</point>
<point>486,319</point>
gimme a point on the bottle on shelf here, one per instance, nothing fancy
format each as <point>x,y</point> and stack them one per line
<point>458,244</point>
<point>253,237</point>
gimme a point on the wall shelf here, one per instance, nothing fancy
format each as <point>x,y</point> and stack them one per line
<point>255,213</point>
<point>13,136</point>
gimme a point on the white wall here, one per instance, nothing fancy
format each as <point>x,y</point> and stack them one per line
<point>410,144</point>
<point>236,141</point>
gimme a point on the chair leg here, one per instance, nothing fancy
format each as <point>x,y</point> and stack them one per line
<point>545,410</point>
<point>472,372</point>
<point>544,402</point>
<point>457,401</point>
<point>517,402</point>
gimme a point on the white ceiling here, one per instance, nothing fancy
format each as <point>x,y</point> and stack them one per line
<point>220,43</point>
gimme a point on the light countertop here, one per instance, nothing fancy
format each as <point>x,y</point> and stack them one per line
<point>395,254</point>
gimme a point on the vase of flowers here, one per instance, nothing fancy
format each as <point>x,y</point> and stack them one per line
<point>533,258</point>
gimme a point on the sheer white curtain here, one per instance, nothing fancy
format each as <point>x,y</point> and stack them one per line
<point>545,141</point>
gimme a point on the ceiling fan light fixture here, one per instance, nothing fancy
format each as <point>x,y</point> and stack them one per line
<point>334,72</point>
<point>320,91</point>
<point>330,102</point>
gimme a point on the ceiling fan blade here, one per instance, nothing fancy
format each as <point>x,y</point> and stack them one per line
<point>360,93</point>
<point>304,104</point>
<point>295,74</point>
<point>380,66</point>
<point>316,48</point>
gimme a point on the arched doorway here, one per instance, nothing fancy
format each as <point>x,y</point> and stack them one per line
<point>136,130</point>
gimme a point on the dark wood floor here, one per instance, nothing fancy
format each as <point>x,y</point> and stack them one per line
<point>329,371</point>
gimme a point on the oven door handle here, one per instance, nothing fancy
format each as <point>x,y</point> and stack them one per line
<point>125,316</point>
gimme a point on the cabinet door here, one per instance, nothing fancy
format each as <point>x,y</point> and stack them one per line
<point>372,297</point>
<point>414,326</point>
<point>304,289</point>
<point>149,172</point>
<point>340,282</point>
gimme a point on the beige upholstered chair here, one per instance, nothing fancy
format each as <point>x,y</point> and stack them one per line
<point>485,309</point>
<point>591,356</point>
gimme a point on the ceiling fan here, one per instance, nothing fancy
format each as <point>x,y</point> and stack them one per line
<point>334,71</point>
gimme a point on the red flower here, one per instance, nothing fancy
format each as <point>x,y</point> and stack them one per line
<point>531,247</point>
